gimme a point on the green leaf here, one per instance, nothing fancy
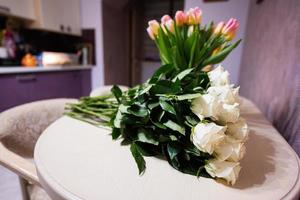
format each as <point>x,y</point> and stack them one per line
<point>138,111</point>
<point>167,107</point>
<point>175,127</point>
<point>193,150</point>
<point>123,108</point>
<point>188,96</point>
<point>219,57</point>
<point>115,133</point>
<point>172,151</point>
<point>141,164</point>
<point>160,115</point>
<point>119,116</point>
<point>172,155</point>
<point>147,137</point>
<point>161,71</point>
<point>159,125</point>
<point>153,105</point>
<point>178,59</point>
<point>117,92</point>
<point>191,120</point>
<point>192,52</point>
<point>145,90</point>
<point>147,149</point>
<point>182,74</point>
<point>163,45</point>
<point>166,87</point>
<point>118,119</point>
<point>132,91</point>
<point>188,44</point>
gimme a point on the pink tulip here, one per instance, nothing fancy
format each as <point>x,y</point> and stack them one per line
<point>165,18</point>
<point>194,16</point>
<point>229,30</point>
<point>153,29</point>
<point>167,22</point>
<point>170,25</point>
<point>217,30</point>
<point>150,33</point>
<point>180,18</point>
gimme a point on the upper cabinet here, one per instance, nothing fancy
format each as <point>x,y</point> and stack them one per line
<point>18,8</point>
<point>57,15</point>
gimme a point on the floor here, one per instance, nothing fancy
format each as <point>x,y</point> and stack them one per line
<point>9,185</point>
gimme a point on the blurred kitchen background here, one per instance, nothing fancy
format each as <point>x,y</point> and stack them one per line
<point>66,48</point>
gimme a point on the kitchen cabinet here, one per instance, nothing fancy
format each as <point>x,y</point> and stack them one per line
<point>18,8</point>
<point>58,15</point>
<point>70,16</point>
<point>17,89</point>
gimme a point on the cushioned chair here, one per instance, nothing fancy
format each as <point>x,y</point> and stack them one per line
<point>20,127</point>
<point>105,89</point>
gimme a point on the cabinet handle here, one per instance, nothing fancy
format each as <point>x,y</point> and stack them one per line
<point>69,29</point>
<point>26,78</point>
<point>4,9</point>
<point>62,28</point>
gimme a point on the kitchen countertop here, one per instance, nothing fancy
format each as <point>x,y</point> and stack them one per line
<point>20,69</point>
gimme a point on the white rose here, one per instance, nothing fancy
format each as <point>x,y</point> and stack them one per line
<point>230,150</point>
<point>229,113</point>
<point>228,171</point>
<point>206,106</point>
<point>238,130</point>
<point>226,94</point>
<point>206,136</point>
<point>210,106</point>
<point>219,76</point>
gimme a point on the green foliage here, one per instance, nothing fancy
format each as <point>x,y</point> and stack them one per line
<point>155,118</point>
<point>138,158</point>
<point>195,49</point>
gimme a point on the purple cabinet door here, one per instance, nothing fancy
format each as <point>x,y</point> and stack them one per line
<point>58,85</point>
<point>17,89</point>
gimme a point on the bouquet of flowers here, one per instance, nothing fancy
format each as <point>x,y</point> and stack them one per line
<point>186,112</point>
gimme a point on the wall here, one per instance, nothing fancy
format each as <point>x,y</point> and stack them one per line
<point>91,16</point>
<point>148,68</point>
<point>222,11</point>
<point>270,72</point>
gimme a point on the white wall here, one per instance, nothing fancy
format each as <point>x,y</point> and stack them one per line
<point>222,11</point>
<point>148,68</point>
<point>91,17</point>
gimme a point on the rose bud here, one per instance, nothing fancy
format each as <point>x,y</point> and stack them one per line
<point>229,30</point>
<point>180,18</point>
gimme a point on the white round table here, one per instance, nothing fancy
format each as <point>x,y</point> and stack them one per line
<point>76,160</point>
